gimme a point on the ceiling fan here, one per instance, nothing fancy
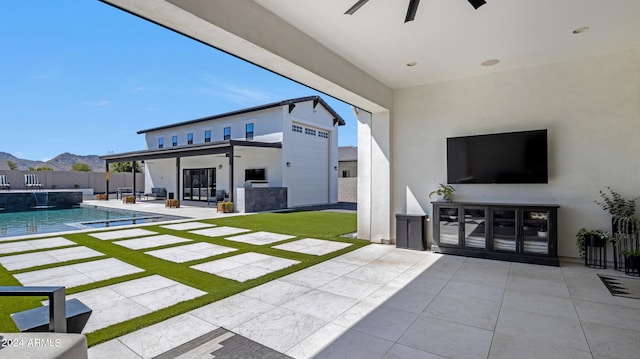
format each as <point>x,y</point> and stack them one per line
<point>413,7</point>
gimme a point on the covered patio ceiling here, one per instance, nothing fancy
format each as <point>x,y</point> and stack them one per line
<point>362,58</point>
<point>212,148</point>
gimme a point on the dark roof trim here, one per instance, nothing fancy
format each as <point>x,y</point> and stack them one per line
<point>291,103</point>
<point>186,151</point>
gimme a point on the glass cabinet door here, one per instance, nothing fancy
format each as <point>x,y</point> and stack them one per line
<point>475,233</point>
<point>535,231</point>
<point>504,230</point>
<point>449,226</point>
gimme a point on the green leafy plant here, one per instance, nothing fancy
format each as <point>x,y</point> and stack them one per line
<point>623,211</point>
<point>81,167</point>
<point>444,191</point>
<point>584,234</point>
<point>631,253</point>
<point>614,203</point>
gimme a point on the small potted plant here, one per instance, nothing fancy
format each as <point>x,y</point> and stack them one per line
<point>129,199</point>
<point>225,207</point>
<point>445,193</point>
<point>591,238</point>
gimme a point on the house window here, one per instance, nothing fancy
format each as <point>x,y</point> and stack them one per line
<point>189,138</point>
<point>207,136</point>
<point>323,134</point>
<point>249,131</point>
<point>227,133</point>
<point>160,142</point>
<point>296,128</point>
<point>174,141</point>
<point>309,131</point>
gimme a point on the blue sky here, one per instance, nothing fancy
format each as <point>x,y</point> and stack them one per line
<point>83,77</point>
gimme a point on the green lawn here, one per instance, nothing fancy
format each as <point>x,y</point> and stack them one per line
<point>312,224</point>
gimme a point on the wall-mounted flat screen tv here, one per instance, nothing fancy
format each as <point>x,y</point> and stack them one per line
<point>513,157</point>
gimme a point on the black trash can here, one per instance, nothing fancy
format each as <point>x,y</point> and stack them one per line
<point>410,231</point>
<point>170,195</point>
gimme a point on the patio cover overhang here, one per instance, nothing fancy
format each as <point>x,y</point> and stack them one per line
<point>219,147</point>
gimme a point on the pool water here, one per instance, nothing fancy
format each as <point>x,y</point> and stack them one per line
<point>83,217</point>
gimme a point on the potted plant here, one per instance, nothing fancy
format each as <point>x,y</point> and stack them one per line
<point>623,211</point>
<point>445,192</point>
<point>591,238</point>
<point>129,199</point>
<point>632,262</point>
<point>225,207</point>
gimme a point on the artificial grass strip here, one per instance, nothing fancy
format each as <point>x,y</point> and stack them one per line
<point>311,224</point>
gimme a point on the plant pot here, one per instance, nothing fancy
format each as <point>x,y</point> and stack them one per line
<point>595,241</point>
<point>632,265</point>
<point>129,199</point>
<point>169,203</point>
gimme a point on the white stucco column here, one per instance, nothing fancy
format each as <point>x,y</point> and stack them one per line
<point>374,177</point>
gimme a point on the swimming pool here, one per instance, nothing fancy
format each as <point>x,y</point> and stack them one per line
<point>83,217</point>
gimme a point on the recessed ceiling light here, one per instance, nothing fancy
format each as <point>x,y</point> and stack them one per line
<point>490,62</point>
<point>581,29</point>
<point>412,63</point>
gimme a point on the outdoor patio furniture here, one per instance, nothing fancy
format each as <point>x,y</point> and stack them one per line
<point>31,181</point>
<point>59,316</point>
<point>157,193</point>
<point>124,191</point>
<point>3,182</point>
<point>219,197</point>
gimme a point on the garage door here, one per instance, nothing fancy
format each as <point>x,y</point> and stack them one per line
<point>309,172</point>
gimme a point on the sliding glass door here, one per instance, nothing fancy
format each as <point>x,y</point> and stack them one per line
<point>199,183</point>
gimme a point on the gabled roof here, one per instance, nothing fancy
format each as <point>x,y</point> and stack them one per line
<point>347,153</point>
<point>317,100</point>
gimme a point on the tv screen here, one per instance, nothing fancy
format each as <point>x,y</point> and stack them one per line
<point>513,157</point>
<point>255,174</point>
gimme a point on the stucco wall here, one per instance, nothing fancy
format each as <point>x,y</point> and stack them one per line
<point>267,127</point>
<point>590,106</point>
<point>348,189</point>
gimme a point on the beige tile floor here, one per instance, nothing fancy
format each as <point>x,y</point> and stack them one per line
<point>383,302</point>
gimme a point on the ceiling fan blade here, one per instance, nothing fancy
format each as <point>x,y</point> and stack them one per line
<point>356,6</point>
<point>477,3</point>
<point>411,11</point>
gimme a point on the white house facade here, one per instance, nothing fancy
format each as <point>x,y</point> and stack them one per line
<point>290,145</point>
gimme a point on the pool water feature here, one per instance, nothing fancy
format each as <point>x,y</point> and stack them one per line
<point>83,217</point>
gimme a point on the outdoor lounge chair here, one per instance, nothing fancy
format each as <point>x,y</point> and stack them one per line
<point>31,181</point>
<point>3,182</point>
<point>157,193</point>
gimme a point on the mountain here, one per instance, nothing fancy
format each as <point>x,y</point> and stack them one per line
<point>65,160</point>
<point>62,162</point>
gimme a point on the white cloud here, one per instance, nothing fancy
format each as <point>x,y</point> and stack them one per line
<point>234,92</point>
<point>97,103</point>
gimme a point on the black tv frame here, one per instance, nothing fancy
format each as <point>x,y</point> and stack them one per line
<point>522,158</point>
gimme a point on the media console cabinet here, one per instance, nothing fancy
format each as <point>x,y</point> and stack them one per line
<point>513,232</point>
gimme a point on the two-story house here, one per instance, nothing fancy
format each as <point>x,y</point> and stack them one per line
<point>289,146</point>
